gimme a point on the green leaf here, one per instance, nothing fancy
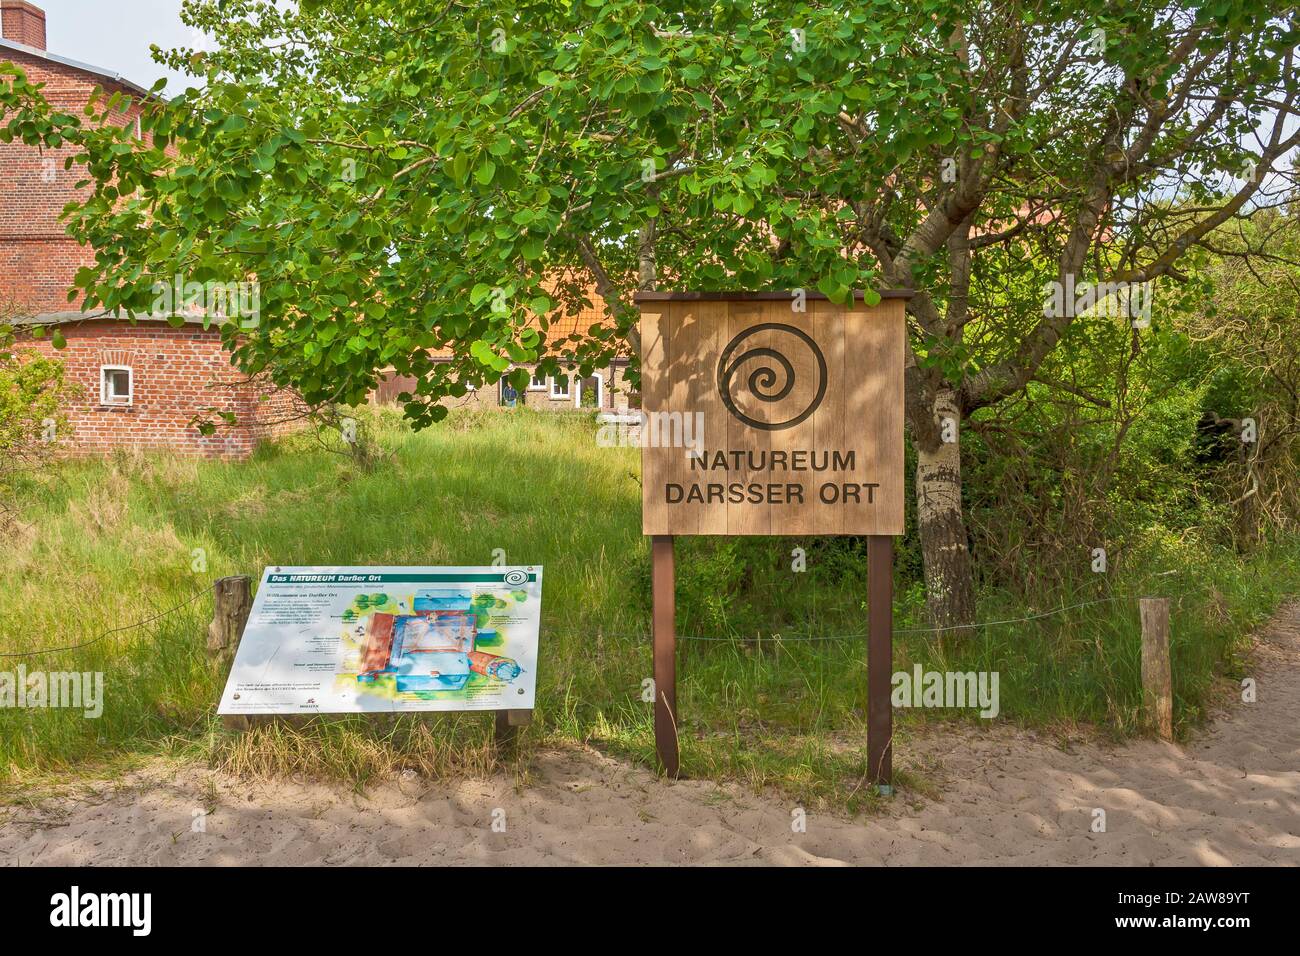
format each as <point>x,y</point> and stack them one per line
<point>459,167</point>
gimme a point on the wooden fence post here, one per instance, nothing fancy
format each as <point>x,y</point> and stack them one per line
<point>231,602</point>
<point>1157,680</point>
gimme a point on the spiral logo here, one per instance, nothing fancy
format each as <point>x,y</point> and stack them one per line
<point>766,374</point>
<point>515,577</point>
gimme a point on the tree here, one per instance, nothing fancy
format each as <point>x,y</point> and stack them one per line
<point>402,177</point>
<point>1249,316</point>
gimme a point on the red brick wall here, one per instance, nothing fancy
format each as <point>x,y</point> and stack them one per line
<point>38,260</point>
<point>177,372</point>
<point>271,412</point>
<point>23,22</point>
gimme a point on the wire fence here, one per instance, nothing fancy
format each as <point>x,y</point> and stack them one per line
<point>115,630</point>
<point>861,635</point>
<point>641,634</point>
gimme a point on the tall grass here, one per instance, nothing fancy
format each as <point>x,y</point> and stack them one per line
<point>772,665</point>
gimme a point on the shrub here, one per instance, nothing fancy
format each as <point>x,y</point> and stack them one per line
<point>33,392</point>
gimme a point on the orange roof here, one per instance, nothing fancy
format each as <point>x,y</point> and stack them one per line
<point>562,324</point>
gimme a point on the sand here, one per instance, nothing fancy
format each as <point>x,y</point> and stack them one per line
<point>1003,796</point>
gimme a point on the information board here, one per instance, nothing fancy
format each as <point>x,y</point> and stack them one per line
<point>388,639</point>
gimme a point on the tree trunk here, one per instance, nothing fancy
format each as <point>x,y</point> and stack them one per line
<point>949,584</point>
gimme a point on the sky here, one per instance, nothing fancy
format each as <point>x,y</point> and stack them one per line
<point>115,35</point>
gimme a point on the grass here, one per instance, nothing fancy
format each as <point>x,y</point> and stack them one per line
<point>120,540</point>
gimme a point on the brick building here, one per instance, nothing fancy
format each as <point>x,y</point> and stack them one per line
<point>606,389</point>
<point>143,383</point>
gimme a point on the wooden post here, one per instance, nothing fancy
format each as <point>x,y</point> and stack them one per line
<point>664,630</point>
<point>231,602</point>
<point>880,660</point>
<point>508,723</point>
<point>1157,680</point>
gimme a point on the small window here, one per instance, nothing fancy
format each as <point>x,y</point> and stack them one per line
<point>538,382</point>
<point>115,385</point>
<point>560,386</point>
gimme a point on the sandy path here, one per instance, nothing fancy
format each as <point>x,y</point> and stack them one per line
<point>1231,796</point>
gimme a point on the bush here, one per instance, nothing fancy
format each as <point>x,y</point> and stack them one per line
<point>33,392</point>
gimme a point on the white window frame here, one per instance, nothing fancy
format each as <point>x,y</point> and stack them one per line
<point>103,385</point>
<point>600,392</point>
<point>555,388</point>
<point>533,386</point>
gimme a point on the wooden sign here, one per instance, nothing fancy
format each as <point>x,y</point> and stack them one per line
<point>769,413</point>
<point>765,418</point>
